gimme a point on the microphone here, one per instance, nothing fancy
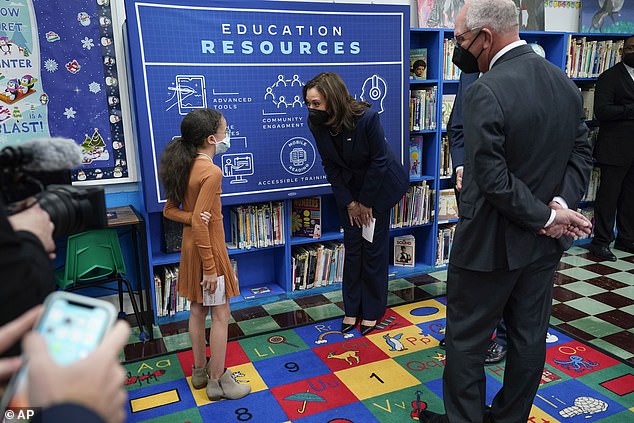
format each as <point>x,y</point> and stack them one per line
<point>42,154</point>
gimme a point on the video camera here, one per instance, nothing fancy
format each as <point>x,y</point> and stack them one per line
<point>40,169</point>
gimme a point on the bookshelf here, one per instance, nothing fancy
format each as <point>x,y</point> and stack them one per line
<point>271,266</point>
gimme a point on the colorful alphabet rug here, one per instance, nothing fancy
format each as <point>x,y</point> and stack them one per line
<point>314,373</point>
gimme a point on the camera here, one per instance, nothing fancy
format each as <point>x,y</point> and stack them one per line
<point>35,171</point>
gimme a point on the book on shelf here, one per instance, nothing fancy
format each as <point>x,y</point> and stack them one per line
<point>414,208</point>
<point>317,265</point>
<point>234,267</point>
<point>167,300</point>
<point>306,217</point>
<point>451,72</point>
<point>418,63</point>
<point>256,291</point>
<point>447,204</point>
<point>590,58</point>
<point>446,166</point>
<point>404,250</point>
<point>447,107</point>
<point>416,157</point>
<point>593,185</point>
<point>172,235</point>
<point>587,95</point>
<point>422,109</point>
<point>257,225</point>
<point>444,244</point>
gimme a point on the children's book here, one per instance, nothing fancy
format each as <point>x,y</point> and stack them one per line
<point>404,249</point>
<point>416,156</point>
<point>418,63</point>
<point>307,217</point>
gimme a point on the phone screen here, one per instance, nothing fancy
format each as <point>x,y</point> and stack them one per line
<point>72,329</point>
<point>72,326</point>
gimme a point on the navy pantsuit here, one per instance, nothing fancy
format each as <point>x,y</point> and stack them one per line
<point>360,166</point>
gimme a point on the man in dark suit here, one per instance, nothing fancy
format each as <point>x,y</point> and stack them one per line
<point>525,146</point>
<point>496,350</point>
<point>614,108</point>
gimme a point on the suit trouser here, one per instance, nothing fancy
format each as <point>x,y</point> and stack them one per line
<point>615,196</point>
<point>365,269</point>
<point>475,303</point>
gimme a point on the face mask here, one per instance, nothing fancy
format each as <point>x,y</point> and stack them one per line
<point>317,117</point>
<point>464,59</point>
<point>223,145</point>
<point>628,59</point>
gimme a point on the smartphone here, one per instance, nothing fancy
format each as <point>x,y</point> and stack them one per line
<point>72,326</point>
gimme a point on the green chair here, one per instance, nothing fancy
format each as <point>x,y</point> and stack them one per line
<point>94,259</point>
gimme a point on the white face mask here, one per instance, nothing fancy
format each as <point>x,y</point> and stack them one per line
<point>223,145</point>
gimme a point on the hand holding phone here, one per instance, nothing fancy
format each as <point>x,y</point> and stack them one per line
<point>73,356</point>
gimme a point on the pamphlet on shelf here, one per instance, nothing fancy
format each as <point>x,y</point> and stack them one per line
<point>218,296</point>
<point>368,231</point>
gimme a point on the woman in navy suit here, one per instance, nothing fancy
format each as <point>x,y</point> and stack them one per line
<point>367,180</point>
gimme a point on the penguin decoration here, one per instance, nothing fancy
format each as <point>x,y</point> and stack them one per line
<point>394,342</point>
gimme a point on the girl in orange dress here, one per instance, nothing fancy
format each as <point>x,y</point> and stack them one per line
<point>192,185</point>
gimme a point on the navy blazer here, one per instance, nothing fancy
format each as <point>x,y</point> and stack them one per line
<point>614,108</point>
<point>525,143</point>
<point>367,170</point>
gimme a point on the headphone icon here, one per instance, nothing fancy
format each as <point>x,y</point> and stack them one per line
<point>376,90</point>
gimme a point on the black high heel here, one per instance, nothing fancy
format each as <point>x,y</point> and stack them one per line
<point>347,327</point>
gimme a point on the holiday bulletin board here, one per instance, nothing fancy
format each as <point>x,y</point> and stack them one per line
<point>250,60</point>
<point>59,77</point>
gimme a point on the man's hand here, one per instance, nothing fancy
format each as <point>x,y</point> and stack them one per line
<point>567,223</point>
<point>459,173</point>
<point>35,220</point>
<point>96,382</point>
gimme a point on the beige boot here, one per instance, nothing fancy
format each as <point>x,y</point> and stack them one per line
<point>199,377</point>
<point>226,387</point>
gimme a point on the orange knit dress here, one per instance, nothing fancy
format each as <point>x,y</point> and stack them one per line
<point>203,248</point>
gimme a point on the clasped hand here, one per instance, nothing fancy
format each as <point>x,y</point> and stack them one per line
<point>567,223</point>
<point>359,214</point>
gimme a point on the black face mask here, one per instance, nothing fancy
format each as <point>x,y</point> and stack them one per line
<point>317,117</point>
<point>628,59</point>
<point>464,59</point>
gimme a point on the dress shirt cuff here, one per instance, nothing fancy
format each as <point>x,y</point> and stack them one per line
<point>459,167</point>
<point>551,219</point>
<point>561,201</point>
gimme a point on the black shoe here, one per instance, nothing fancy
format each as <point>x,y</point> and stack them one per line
<point>627,246</point>
<point>601,251</point>
<point>495,353</point>
<point>366,329</point>
<point>347,327</point>
<point>443,343</point>
<point>427,416</point>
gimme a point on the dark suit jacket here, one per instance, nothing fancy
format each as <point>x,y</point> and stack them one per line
<point>27,274</point>
<point>614,108</point>
<point>455,131</point>
<point>367,170</point>
<point>525,142</point>
<point>67,413</point>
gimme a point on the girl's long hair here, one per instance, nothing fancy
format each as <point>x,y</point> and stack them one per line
<point>343,109</point>
<point>177,158</point>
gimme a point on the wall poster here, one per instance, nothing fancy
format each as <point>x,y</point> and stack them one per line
<point>59,77</point>
<point>249,60</point>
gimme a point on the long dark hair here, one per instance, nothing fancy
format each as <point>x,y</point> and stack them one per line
<point>342,108</point>
<point>178,156</point>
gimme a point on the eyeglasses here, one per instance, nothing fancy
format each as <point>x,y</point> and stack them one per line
<point>459,39</point>
<point>628,48</point>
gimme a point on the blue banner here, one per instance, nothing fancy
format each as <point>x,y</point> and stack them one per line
<point>249,60</point>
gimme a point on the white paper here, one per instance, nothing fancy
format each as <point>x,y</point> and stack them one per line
<point>368,231</point>
<point>218,296</point>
